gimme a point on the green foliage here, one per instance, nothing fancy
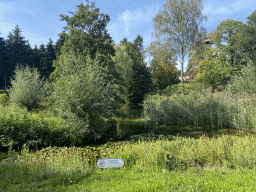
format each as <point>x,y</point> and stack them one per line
<point>245,43</point>
<point>208,67</point>
<point>141,80</point>
<point>18,126</point>
<point>3,99</point>
<point>251,20</point>
<point>87,30</point>
<point>163,65</point>
<point>2,91</point>
<point>180,24</point>
<point>52,165</point>
<point>46,56</point>
<point>220,109</point>
<point>246,80</point>
<point>3,63</point>
<point>81,93</point>
<point>124,66</point>
<point>182,88</point>
<point>136,77</point>
<point>182,164</point>
<point>27,88</point>
<point>226,38</point>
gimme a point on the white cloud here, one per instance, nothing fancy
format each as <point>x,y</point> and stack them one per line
<point>130,22</point>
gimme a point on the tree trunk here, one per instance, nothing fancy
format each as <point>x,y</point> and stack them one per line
<point>182,61</point>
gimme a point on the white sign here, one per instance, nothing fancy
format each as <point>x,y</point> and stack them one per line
<point>110,163</point>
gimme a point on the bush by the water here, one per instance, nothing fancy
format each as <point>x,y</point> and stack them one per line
<point>19,126</point>
<point>207,109</point>
<point>82,93</point>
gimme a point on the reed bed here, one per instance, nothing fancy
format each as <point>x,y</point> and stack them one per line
<point>213,110</point>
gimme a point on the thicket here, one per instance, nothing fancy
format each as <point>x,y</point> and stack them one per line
<point>18,126</point>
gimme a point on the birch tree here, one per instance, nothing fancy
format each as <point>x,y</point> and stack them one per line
<point>180,23</point>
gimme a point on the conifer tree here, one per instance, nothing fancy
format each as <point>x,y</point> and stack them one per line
<point>3,63</point>
<point>18,48</point>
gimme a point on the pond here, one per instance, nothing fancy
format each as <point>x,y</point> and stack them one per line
<point>195,132</point>
<point>127,128</point>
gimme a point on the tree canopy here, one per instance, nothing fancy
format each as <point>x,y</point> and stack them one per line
<point>163,65</point>
<point>180,24</point>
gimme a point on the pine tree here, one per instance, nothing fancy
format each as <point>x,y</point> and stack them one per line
<point>43,64</point>
<point>3,62</point>
<point>19,52</point>
<point>18,48</point>
<point>50,53</point>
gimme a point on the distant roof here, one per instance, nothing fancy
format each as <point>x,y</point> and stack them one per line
<point>185,78</point>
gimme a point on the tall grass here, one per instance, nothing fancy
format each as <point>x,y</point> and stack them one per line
<point>213,110</point>
<point>226,151</point>
<point>60,166</point>
<point>67,169</point>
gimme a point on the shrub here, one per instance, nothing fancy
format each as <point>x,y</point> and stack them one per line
<point>18,126</point>
<point>3,99</point>
<point>182,88</point>
<point>82,94</point>
<point>27,88</point>
<point>246,80</point>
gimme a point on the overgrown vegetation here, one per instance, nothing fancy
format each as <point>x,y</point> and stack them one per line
<point>98,92</point>
<point>191,105</point>
<point>66,168</point>
<point>18,126</point>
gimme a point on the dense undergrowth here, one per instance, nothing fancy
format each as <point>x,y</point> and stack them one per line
<point>18,126</point>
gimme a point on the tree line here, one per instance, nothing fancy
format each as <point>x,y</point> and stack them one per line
<point>15,50</point>
<point>86,78</point>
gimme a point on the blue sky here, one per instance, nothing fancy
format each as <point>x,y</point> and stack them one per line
<point>39,20</point>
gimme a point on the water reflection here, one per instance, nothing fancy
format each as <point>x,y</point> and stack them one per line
<point>196,132</point>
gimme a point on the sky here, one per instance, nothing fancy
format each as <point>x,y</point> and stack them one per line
<point>39,20</point>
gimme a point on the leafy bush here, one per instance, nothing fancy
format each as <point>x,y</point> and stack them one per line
<point>3,99</point>
<point>182,88</point>
<point>246,80</point>
<point>18,126</point>
<point>27,88</point>
<point>82,94</point>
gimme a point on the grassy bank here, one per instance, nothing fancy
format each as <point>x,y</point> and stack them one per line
<point>182,164</point>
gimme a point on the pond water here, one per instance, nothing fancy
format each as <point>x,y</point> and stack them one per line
<point>126,128</point>
<point>196,132</point>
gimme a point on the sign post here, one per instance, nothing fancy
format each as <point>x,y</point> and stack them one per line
<point>110,163</point>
